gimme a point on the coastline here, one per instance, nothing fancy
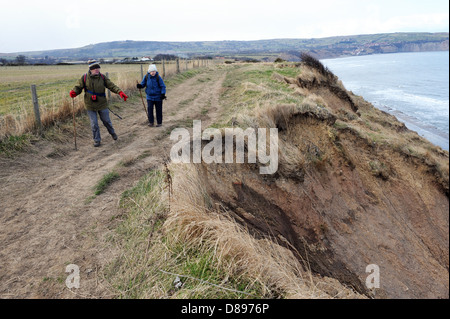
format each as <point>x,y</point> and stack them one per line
<point>410,86</point>
<point>431,133</point>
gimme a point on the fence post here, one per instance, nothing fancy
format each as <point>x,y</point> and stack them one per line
<point>142,72</point>
<point>178,66</point>
<point>37,114</point>
<point>164,69</point>
<point>109,92</point>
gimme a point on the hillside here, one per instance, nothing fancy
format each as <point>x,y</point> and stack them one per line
<point>354,187</point>
<point>321,48</point>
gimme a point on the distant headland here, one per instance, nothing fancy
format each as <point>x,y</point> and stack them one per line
<point>259,50</point>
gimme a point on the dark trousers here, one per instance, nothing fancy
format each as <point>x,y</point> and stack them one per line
<point>158,108</point>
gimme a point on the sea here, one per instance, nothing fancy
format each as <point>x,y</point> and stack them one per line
<point>412,86</point>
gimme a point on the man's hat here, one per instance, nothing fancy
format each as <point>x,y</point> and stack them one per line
<point>93,64</point>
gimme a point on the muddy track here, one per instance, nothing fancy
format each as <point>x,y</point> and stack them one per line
<point>49,217</point>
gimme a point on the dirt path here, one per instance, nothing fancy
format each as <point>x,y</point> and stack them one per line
<point>48,215</point>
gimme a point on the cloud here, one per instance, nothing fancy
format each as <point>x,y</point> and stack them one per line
<point>418,21</point>
<point>52,24</point>
<point>73,17</point>
<point>374,23</point>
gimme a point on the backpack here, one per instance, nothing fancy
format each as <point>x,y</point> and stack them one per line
<point>158,79</point>
<point>90,92</point>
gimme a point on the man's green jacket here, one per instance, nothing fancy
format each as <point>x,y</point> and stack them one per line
<point>95,85</point>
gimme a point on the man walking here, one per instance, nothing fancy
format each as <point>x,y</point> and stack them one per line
<point>94,84</point>
<point>156,93</point>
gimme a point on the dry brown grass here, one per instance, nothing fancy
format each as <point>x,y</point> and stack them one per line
<point>60,111</point>
<point>26,121</point>
<point>194,222</point>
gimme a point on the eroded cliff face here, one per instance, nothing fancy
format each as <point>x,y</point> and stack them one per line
<point>341,217</point>
<point>354,188</point>
<point>415,47</point>
<point>340,50</point>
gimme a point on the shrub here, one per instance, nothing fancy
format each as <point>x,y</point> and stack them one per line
<point>317,65</point>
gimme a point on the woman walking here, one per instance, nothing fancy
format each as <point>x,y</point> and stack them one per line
<point>156,93</point>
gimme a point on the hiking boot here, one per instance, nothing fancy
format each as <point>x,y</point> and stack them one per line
<point>96,143</point>
<point>158,125</point>
<point>151,124</point>
<point>114,136</point>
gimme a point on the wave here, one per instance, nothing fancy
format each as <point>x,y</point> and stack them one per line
<point>397,95</point>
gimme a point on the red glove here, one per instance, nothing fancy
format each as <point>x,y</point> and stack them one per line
<point>123,96</point>
<point>72,94</point>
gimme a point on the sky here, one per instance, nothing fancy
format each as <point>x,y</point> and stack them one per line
<point>46,24</point>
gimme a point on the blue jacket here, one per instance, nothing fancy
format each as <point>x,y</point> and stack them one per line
<point>154,86</point>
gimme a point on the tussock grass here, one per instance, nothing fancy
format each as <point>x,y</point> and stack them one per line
<point>153,256</point>
<point>132,274</point>
<point>106,180</point>
<point>13,144</point>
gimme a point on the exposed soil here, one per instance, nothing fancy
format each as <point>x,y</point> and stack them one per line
<point>49,217</point>
<point>338,212</point>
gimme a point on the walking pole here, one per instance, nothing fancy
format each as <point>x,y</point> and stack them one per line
<point>74,126</point>
<point>137,82</point>
<point>115,114</point>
